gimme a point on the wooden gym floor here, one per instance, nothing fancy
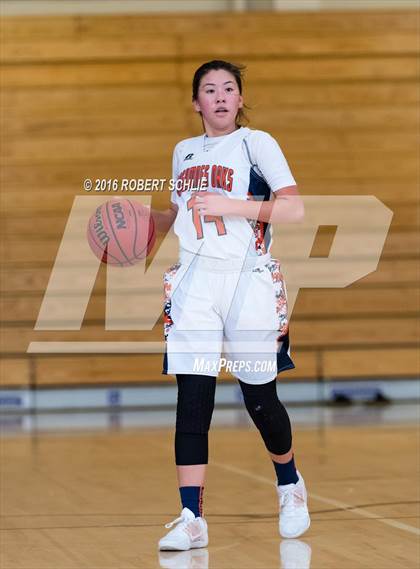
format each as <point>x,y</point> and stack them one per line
<point>99,500</point>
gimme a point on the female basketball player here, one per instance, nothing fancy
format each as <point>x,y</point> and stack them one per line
<point>226,289</point>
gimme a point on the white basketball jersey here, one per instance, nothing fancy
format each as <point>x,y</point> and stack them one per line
<point>225,169</point>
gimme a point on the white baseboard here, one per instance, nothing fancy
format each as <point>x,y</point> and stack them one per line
<point>228,394</point>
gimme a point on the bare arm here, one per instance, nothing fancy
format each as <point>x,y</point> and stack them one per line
<point>287,207</point>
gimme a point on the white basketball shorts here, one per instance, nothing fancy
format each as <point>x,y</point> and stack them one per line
<point>239,309</point>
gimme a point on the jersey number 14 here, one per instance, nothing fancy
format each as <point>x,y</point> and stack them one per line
<point>196,217</point>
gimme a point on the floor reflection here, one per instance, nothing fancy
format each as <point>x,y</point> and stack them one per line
<point>295,554</point>
<point>192,559</point>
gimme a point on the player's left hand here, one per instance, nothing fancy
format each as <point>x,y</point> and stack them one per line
<point>212,204</point>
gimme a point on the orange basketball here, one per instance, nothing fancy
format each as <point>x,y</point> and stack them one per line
<point>121,232</point>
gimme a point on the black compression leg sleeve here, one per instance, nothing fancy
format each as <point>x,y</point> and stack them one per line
<point>269,415</point>
<point>193,417</point>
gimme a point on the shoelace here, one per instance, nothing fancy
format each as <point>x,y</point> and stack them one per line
<point>288,499</point>
<point>175,521</point>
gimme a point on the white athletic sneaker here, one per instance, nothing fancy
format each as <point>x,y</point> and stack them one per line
<point>295,554</point>
<point>294,516</point>
<point>191,532</point>
<point>192,559</point>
